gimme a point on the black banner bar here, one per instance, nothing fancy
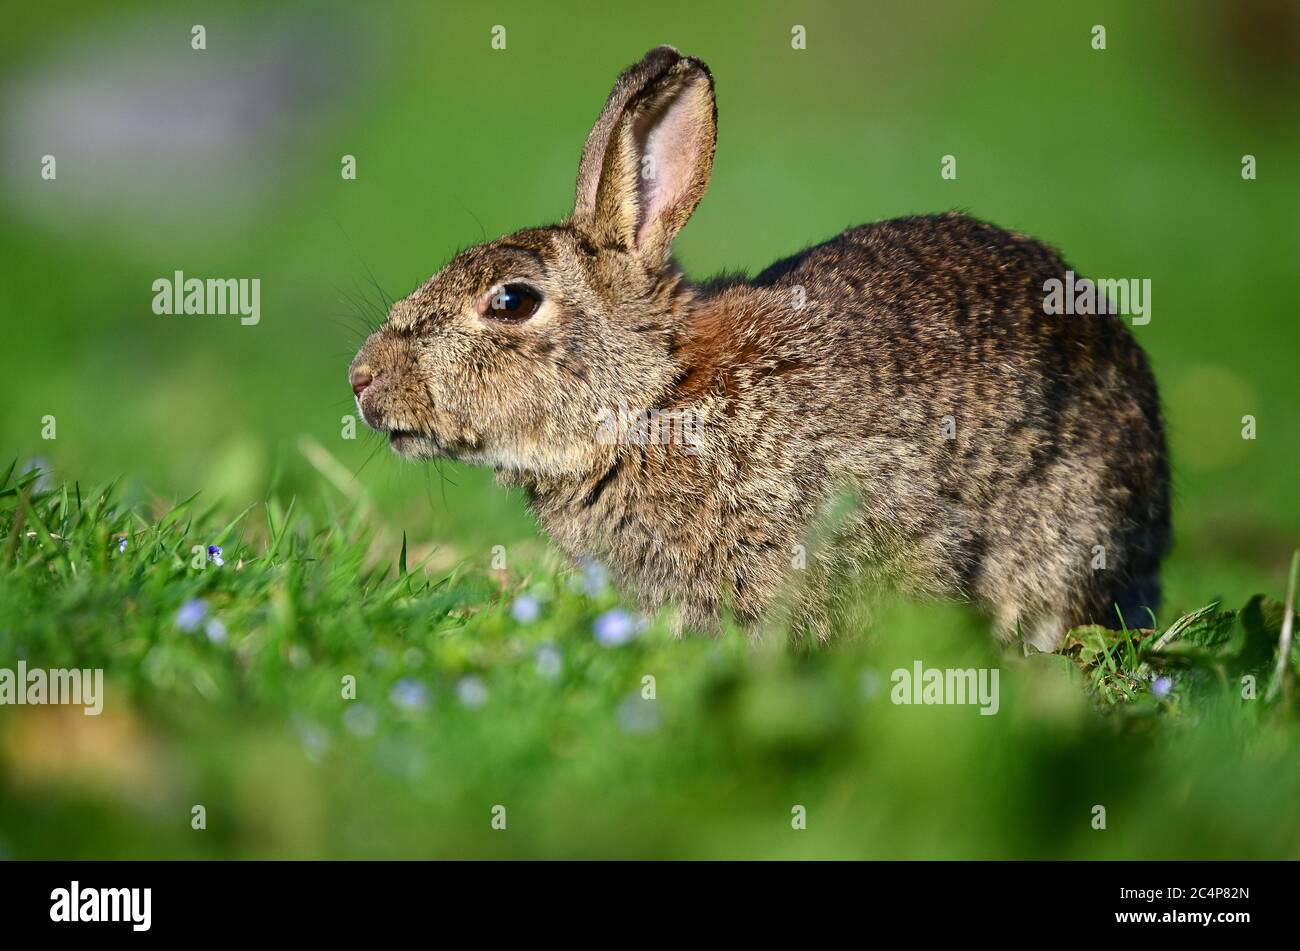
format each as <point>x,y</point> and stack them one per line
<point>332,900</point>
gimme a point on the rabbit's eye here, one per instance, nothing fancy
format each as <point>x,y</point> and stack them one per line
<point>512,302</point>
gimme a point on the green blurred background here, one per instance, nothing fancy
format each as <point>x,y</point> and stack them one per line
<point>226,163</point>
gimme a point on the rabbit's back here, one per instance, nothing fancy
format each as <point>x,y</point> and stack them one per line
<point>1013,456</point>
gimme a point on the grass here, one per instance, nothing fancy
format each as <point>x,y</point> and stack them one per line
<point>243,706</point>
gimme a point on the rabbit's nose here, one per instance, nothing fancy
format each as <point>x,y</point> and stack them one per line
<point>360,380</point>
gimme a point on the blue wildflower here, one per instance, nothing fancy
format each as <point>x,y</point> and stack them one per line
<point>121,544</point>
<point>617,627</point>
<point>410,694</point>
<point>315,742</point>
<point>593,577</point>
<point>360,719</point>
<point>214,552</point>
<point>44,481</point>
<point>472,692</point>
<point>526,609</point>
<point>191,614</point>
<point>549,661</point>
<point>215,630</point>
<point>1161,687</point>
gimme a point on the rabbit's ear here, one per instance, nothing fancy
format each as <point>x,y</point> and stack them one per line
<point>648,158</point>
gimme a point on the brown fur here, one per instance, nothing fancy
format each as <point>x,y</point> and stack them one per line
<point>803,397</point>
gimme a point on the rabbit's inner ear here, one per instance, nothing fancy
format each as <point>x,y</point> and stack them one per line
<point>676,138</point>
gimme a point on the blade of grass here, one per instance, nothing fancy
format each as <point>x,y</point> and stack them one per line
<point>278,533</point>
<point>170,518</point>
<point>1282,675</point>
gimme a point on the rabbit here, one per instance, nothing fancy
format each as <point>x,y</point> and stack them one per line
<point>988,451</point>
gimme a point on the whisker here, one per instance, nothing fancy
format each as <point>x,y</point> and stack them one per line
<point>378,445</point>
<point>481,230</point>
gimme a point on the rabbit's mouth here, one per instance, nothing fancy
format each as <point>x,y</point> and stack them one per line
<point>414,444</point>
